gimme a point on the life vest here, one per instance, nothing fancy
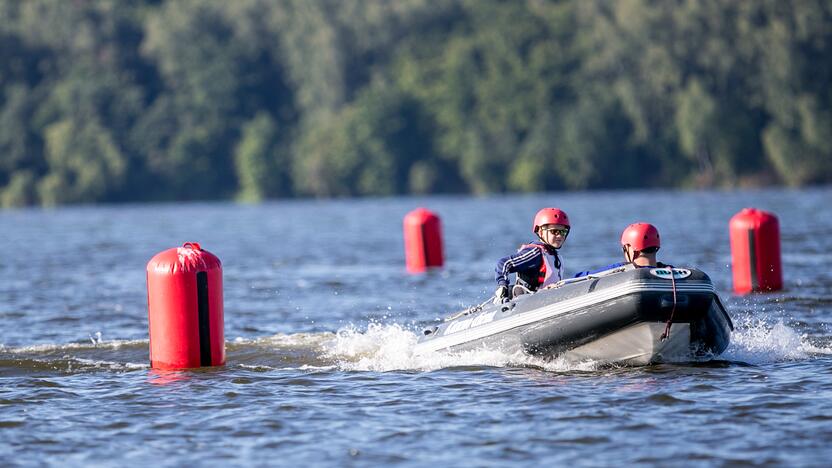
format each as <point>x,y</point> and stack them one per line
<point>551,268</point>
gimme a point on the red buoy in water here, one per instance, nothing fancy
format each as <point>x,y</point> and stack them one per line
<point>422,240</point>
<point>185,310</point>
<point>755,251</point>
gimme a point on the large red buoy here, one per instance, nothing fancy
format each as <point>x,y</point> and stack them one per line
<point>185,310</point>
<point>755,251</point>
<point>422,240</point>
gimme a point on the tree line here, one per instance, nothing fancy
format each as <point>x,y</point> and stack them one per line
<point>112,101</point>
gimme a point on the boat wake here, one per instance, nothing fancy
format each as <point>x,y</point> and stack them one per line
<point>761,340</point>
<point>74,358</point>
<point>388,347</point>
<point>384,347</point>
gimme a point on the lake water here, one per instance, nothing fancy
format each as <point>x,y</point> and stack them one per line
<point>321,318</point>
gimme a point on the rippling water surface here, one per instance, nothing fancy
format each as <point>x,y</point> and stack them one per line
<point>321,319</point>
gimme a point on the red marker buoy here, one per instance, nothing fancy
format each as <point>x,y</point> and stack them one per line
<point>755,251</point>
<point>185,309</point>
<point>422,240</point>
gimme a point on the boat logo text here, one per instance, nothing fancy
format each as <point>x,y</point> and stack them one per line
<point>664,273</point>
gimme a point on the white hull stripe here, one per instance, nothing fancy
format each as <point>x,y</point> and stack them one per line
<point>556,309</point>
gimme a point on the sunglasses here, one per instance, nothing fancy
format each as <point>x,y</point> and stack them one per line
<point>556,231</point>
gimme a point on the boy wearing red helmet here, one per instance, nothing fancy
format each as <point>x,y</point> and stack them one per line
<point>640,243</point>
<point>537,264</point>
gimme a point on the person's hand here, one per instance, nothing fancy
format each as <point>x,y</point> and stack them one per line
<point>501,294</point>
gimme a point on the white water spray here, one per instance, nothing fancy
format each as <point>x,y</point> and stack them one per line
<point>758,340</point>
<point>388,347</point>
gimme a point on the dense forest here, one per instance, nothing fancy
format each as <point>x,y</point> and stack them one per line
<point>110,101</point>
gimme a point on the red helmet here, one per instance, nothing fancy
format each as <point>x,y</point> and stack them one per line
<point>550,216</point>
<point>640,236</point>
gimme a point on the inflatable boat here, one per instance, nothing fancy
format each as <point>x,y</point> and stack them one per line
<point>628,315</point>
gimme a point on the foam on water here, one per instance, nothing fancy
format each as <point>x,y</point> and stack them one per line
<point>758,339</point>
<point>93,364</point>
<point>95,355</point>
<point>282,340</point>
<point>388,347</point>
<point>50,347</point>
<point>761,339</point>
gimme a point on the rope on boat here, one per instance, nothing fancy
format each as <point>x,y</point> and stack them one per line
<point>471,310</point>
<point>666,333</point>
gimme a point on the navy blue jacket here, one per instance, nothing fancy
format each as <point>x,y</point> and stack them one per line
<point>526,264</point>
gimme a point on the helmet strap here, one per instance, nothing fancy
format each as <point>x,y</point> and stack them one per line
<point>630,258</point>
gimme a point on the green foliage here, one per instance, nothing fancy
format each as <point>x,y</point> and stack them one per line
<point>106,100</point>
<point>84,163</point>
<point>262,161</point>
<point>368,148</point>
<point>20,191</point>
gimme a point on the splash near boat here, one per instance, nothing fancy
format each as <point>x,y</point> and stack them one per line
<point>627,315</point>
